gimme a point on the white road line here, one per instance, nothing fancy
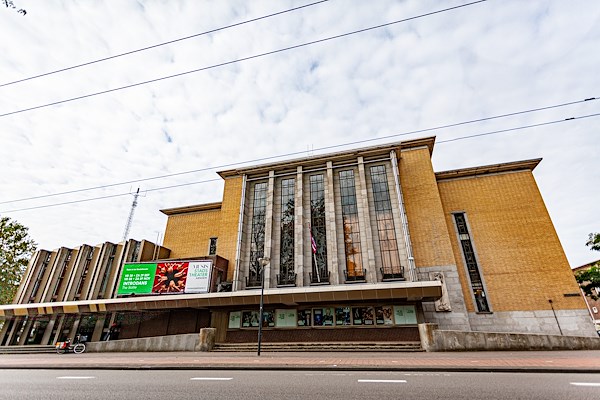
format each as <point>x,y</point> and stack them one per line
<point>585,384</point>
<point>382,381</point>
<point>210,379</point>
<point>75,377</point>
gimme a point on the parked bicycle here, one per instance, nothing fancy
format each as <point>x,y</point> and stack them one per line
<point>76,347</point>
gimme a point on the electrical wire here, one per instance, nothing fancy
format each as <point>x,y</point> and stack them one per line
<point>163,43</point>
<point>238,60</point>
<point>212,180</point>
<point>301,152</point>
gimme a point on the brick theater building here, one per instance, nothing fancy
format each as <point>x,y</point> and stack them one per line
<point>358,245</point>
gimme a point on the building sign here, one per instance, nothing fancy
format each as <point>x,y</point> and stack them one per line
<point>198,277</point>
<point>165,277</point>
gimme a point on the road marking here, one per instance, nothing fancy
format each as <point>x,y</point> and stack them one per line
<point>210,379</point>
<point>585,384</point>
<point>75,377</point>
<point>382,380</point>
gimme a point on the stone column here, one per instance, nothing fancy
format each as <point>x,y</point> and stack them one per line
<point>366,233</point>
<point>98,328</point>
<point>4,330</point>
<point>13,330</point>
<point>269,226</point>
<point>299,229</point>
<point>335,268</point>
<point>48,332</point>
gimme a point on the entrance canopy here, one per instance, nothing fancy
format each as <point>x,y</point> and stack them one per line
<point>389,291</point>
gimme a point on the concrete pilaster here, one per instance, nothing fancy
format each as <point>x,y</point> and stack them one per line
<point>299,229</point>
<point>366,234</point>
<point>98,328</point>
<point>336,269</point>
<point>48,332</point>
<point>269,226</point>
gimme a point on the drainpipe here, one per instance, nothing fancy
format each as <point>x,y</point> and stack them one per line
<point>411,260</point>
<point>238,250</point>
<point>555,317</point>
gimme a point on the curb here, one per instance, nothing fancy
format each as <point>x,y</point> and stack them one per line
<point>292,367</point>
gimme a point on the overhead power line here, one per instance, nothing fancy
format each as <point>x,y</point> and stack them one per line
<point>163,43</point>
<point>215,167</point>
<point>239,60</point>
<point>362,141</point>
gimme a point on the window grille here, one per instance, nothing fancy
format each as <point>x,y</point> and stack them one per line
<point>257,241</point>
<point>390,259</point>
<point>466,244</point>
<point>354,264</point>
<point>318,230</point>
<point>287,275</point>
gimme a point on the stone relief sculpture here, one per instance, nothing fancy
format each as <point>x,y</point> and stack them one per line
<point>443,304</point>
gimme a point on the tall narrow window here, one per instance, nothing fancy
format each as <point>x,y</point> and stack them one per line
<point>287,275</point>
<point>390,259</point>
<point>107,269</point>
<point>38,280</point>
<point>464,237</point>
<point>318,232</point>
<point>61,276</point>
<point>257,241</point>
<point>354,265</point>
<point>86,268</point>
<point>212,246</point>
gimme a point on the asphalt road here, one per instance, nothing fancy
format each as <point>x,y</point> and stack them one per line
<point>226,385</point>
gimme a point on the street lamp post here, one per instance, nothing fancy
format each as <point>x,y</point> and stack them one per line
<point>263,263</point>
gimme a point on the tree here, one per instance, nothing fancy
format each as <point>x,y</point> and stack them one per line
<point>11,4</point>
<point>590,279</point>
<point>16,248</point>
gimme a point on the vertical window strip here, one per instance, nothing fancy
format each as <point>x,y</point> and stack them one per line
<point>257,244</point>
<point>318,230</point>
<point>391,267</point>
<point>464,237</point>
<point>212,246</point>
<point>352,248</point>
<point>287,274</point>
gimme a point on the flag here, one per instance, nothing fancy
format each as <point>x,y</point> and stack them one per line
<point>313,244</point>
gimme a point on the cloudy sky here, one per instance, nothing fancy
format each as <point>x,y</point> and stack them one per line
<point>491,58</point>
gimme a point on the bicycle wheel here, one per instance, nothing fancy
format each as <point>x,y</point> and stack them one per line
<point>79,348</point>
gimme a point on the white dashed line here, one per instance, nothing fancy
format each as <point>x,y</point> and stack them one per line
<point>381,381</point>
<point>594,384</point>
<point>75,377</point>
<point>210,379</point>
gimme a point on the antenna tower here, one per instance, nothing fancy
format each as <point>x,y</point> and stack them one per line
<point>130,219</point>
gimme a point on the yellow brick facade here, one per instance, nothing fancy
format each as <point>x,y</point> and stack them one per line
<point>519,253</point>
<point>428,229</point>
<point>188,233</point>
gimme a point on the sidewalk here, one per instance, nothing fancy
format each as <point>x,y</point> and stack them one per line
<point>532,361</point>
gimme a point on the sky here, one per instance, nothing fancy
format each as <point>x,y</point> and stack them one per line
<point>491,58</point>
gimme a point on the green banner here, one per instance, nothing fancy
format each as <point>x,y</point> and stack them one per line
<point>137,278</point>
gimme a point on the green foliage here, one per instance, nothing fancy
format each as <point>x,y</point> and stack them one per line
<point>594,241</point>
<point>15,250</point>
<point>590,279</point>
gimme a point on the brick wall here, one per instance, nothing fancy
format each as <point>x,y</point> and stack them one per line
<point>520,256</point>
<point>428,229</point>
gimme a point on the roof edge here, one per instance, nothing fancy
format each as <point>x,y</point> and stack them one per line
<point>192,208</point>
<point>488,169</point>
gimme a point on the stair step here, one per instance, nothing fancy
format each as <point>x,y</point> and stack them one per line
<point>351,347</point>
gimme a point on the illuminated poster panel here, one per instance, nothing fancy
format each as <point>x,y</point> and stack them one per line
<point>165,277</point>
<point>198,277</point>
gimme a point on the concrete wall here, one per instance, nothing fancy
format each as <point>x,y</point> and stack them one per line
<point>187,342</point>
<point>433,339</point>
<point>204,341</point>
